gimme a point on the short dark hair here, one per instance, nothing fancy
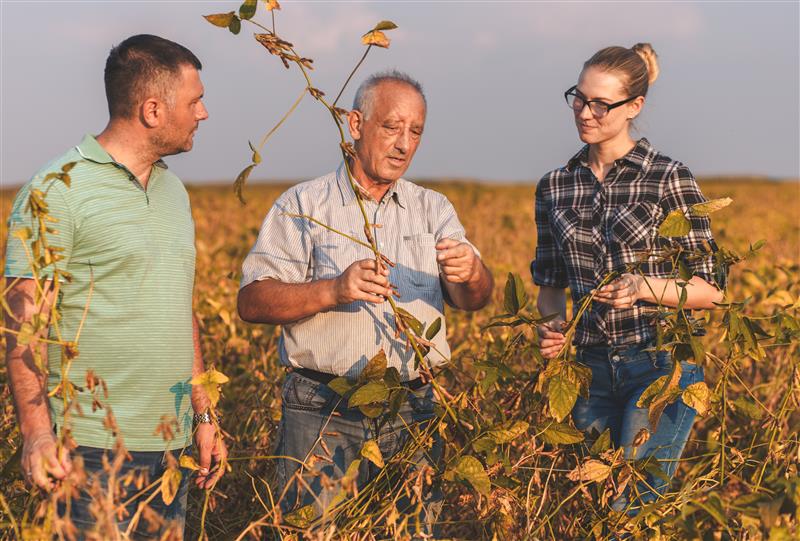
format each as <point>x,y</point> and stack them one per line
<point>141,64</point>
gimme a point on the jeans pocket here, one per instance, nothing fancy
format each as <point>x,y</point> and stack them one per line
<point>300,393</point>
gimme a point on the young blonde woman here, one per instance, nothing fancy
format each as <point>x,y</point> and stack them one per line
<point>596,215</point>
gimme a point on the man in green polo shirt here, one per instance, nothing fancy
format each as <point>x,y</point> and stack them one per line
<point>123,289</point>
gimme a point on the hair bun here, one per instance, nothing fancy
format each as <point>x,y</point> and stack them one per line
<point>646,52</point>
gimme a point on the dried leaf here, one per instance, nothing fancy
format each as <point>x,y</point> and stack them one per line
<point>272,4</point>
<point>238,184</point>
<point>188,462</point>
<point>375,368</point>
<point>590,471</point>
<point>170,482</point>
<point>375,37</point>
<point>301,518</point>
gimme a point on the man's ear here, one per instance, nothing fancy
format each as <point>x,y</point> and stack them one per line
<point>152,113</point>
<point>355,122</point>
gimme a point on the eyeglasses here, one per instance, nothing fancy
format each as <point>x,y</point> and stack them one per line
<point>599,109</point>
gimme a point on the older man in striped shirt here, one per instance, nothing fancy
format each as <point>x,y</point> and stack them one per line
<point>330,296</point>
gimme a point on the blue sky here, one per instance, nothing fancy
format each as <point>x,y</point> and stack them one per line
<point>727,101</point>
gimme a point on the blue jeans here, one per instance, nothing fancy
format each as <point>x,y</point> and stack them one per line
<point>619,376</point>
<point>93,514</point>
<point>311,412</point>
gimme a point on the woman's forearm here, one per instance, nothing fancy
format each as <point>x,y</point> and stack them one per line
<point>666,291</point>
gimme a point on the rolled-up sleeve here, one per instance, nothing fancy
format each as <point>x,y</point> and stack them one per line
<point>283,249</point>
<point>681,193</point>
<point>548,268</point>
<point>448,225</point>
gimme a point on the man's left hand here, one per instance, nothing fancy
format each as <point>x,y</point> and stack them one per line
<point>213,455</point>
<point>457,260</point>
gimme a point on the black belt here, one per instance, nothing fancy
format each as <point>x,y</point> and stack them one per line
<point>325,378</point>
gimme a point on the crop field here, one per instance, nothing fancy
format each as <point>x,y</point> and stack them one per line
<point>738,478</point>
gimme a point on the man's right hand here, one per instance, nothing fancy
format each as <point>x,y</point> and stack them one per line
<point>362,281</point>
<point>42,460</point>
<point>551,338</point>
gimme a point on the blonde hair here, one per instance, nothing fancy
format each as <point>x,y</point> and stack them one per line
<point>638,66</point>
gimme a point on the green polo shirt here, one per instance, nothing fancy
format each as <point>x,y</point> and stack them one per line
<point>132,251</point>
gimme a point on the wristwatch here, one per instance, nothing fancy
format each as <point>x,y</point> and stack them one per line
<point>204,417</point>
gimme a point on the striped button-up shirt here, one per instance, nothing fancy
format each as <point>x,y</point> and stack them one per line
<point>411,220</point>
<point>587,229</point>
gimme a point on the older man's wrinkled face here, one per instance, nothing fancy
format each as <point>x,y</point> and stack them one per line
<point>387,138</point>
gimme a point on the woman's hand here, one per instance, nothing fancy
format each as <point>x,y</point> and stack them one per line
<point>622,292</point>
<point>551,338</point>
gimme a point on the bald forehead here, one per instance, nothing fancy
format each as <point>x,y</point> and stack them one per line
<point>387,93</point>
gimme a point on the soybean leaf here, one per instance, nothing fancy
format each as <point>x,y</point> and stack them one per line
<point>561,394</point>
<point>340,385</point>
<point>372,452</point>
<point>248,9</point>
<point>235,26</point>
<point>592,470</point>
<point>508,431</point>
<point>558,434</point>
<point>704,209</point>
<point>433,328</point>
<point>170,482</point>
<point>222,20</point>
<point>385,25</point>
<point>697,396</point>
<point>471,470</point>
<point>369,393</point>
<point>375,368</point>
<point>602,443</point>
<point>241,179</point>
<point>675,225</point>
<point>302,517</point>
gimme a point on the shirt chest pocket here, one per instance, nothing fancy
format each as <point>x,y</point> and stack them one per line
<point>418,261</point>
<point>333,253</point>
<point>633,225</point>
<point>567,224</point>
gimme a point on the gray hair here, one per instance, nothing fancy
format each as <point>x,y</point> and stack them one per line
<point>365,94</point>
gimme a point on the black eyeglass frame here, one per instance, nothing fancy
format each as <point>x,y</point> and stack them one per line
<point>571,91</point>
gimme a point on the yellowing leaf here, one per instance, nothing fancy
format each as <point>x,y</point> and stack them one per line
<point>697,396</point>
<point>375,37</point>
<point>221,19</point>
<point>340,385</point>
<point>557,434</point>
<point>590,471</point>
<point>508,431</point>
<point>370,393</point>
<point>562,395</point>
<point>471,470</point>
<point>375,369</point>
<point>256,156</point>
<point>301,518</point>
<point>23,233</point>
<point>372,452</point>
<point>272,4</point>
<point>170,482</point>
<point>704,209</point>
<point>188,462</point>
<point>210,380</point>
<point>675,225</point>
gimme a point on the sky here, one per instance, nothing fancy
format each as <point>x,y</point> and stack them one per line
<point>727,101</point>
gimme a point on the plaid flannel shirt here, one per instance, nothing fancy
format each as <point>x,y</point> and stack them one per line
<point>587,229</point>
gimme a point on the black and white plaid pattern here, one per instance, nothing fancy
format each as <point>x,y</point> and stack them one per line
<point>587,229</point>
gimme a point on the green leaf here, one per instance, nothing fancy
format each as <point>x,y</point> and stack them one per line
<point>560,434</point>
<point>704,209</point>
<point>248,9</point>
<point>411,322</point>
<point>484,444</point>
<point>508,431</point>
<point>372,452</point>
<point>675,225</point>
<point>369,393</point>
<point>515,297</point>
<point>434,328</point>
<point>375,368</point>
<point>302,517</point>
<point>235,26</point>
<point>748,408</point>
<point>561,394</point>
<point>223,20</point>
<point>602,443</point>
<point>684,272</point>
<point>256,159</point>
<point>385,25</point>
<point>340,385</point>
<point>238,184</point>
<point>371,410</point>
<point>471,470</point>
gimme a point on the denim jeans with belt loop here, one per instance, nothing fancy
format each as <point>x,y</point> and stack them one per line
<point>312,411</point>
<point>619,377</point>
